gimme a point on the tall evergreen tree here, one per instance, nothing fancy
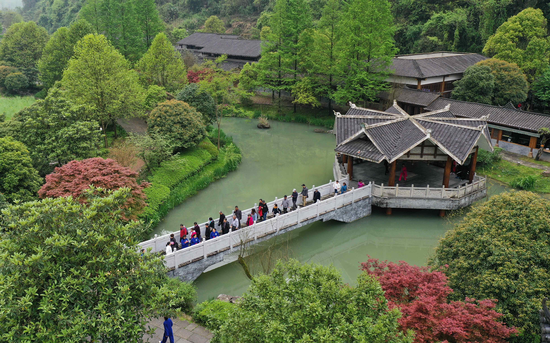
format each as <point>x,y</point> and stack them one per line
<point>149,20</point>
<point>366,49</point>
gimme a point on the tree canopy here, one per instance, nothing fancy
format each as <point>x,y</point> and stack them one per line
<point>75,177</point>
<point>99,78</point>
<point>510,82</point>
<point>522,39</point>
<point>73,272</point>
<point>162,65</point>
<point>477,85</point>
<point>200,100</point>
<point>59,50</point>
<point>178,122</point>
<point>18,179</point>
<point>499,251</point>
<point>310,303</point>
<point>214,25</point>
<point>56,132</point>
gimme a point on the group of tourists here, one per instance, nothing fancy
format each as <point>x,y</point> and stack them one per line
<point>256,215</point>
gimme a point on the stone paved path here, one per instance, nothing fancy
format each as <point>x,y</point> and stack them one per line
<point>516,158</point>
<point>184,332</point>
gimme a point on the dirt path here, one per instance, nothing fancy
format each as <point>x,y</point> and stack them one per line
<point>516,158</point>
<point>133,125</point>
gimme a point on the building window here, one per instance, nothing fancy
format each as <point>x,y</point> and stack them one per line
<point>516,138</point>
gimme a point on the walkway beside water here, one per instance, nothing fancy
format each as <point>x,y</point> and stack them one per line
<point>184,332</point>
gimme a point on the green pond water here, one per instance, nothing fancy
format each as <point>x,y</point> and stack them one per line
<point>274,162</point>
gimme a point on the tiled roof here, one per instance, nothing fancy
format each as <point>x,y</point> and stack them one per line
<point>412,96</point>
<point>504,116</point>
<point>427,66</point>
<point>230,45</point>
<point>393,133</point>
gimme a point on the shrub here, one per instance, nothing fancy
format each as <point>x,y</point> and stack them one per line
<point>18,179</point>
<point>487,158</point>
<point>208,146</point>
<point>524,182</point>
<point>213,313</point>
<point>152,149</point>
<point>4,72</point>
<point>156,195</point>
<point>155,94</point>
<point>180,167</point>
<point>175,297</point>
<point>16,82</point>
<point>178,122</point>
<point>500,251</point>
<point>200,100</point>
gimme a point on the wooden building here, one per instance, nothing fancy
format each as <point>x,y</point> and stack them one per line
<point>209,46</point>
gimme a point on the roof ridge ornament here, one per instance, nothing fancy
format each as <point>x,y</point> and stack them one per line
<point>429,132</point>
<point>337,113</point>
<point>394,102</point>
<point>352,105</point>
<point>448,107</point>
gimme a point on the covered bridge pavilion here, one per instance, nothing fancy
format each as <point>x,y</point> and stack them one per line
<point>374,146</point>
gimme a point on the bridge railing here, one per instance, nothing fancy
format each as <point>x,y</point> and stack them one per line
<point>236,239</point>
<point>159,242</point>
<point>429,192</point>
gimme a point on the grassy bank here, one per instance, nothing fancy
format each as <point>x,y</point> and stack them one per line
<point>514,175</point>
<point>11,105</point>
<point>184,175</point>
<point>315,117</point>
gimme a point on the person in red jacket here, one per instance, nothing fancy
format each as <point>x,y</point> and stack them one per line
<point>403,173</point>
<point>183,231</point>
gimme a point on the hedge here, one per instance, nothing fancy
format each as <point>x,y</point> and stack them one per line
<point>212,313</point>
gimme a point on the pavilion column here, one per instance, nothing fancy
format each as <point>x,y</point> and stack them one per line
<point>345,158</point>
<point>442,86</point>
<point>473,165</point>
<point>419,85</point>
<point>391,181</point>
<point>447,173</point>
<point>532,145</point>
<point>350,167</point>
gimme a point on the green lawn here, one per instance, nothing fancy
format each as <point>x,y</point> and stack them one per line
<point>12,105</point>
<point>505,171</point>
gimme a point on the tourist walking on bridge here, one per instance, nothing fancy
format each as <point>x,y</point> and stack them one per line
<point>276,210</point>
<point>207,231</point>
<point>316,196</point>
<point>222,217</point>
<point>214,233</point>
<point>254,214</point>
<point>344,188</point>
<point>285,204</point>
<point>294,198</point>
<point>183,231</point>
<point>239,215</point>
<point>168,333</point>
<point>250,220</point>
<point>360,184</point>
<point>184,242</point>
<point>168,248</point>
<point>173,242</point>
<point>211,223</point>
<point>197,230</point>
<point>265,209</point>
<point>194,239</point>
<point>336,187</point>
<point>304,194</point>
<point>234,223</point>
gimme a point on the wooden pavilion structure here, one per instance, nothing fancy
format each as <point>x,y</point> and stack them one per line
<point>394,135</point>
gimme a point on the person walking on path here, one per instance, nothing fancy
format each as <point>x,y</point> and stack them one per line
<point>276,210</point>
<point>260,212</point>
<point>403,173</point>
<point>184,242</point>
<point>239,215</point>
<point>360,184</point>
<point>234,223</point>
<point>265,209</point>
<point>254,214</point>
<point>207,231</point>
<point>316,196</point>
<point>183,231</point>
<point>336,187</point>
<point>294,198</point>
<point>211,223</point>
<point>304,194</point>
<point>168,333</point>
<point>194,239</point>
<point>249,220</point>
<point>344,188</point>
<point>197,230</point>
<point>225,226</point>
<point>214,233</point>
<point>286,204</point>
<point>222,217</point>
<point>173,242</point>
<point>168,248</point>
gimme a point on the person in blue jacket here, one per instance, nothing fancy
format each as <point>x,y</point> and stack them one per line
<point>184,242</point>
<point>168,333</point>
<point>194,239</point>
<point>344,188</point>
<point>214,233</point>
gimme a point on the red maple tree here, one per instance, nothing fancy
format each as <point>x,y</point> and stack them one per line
<point>422,296</point>
<point>199,75</point>
<point>73,178</point>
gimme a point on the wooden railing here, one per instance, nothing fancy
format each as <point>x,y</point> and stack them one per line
<point>429,192</point>
<point>236,239</point>
<point>158,243</point>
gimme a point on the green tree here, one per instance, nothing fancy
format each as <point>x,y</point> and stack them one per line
<point>366,50</point>
<point>18,179</point>
<point>200,100</point>
<point>522,39</point>
<point>214,25</point>
<point>22,46</point>
<point>8,18</point>
<point>152,149</point>
<point>544,133</point>
<point>59,50</point>
<point>16,82</point>
<point>499,251</point>
<point>155,95</point>
<point>510,82</point>
<point>477,85</point>
<point>541,87</point>
<point>56,132</point>
<point>100,78</point>
<point>73,272</point>
<point>162,65</point>
<point>309,303</point>
<point>149,20</point>
<point>179,123</point>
